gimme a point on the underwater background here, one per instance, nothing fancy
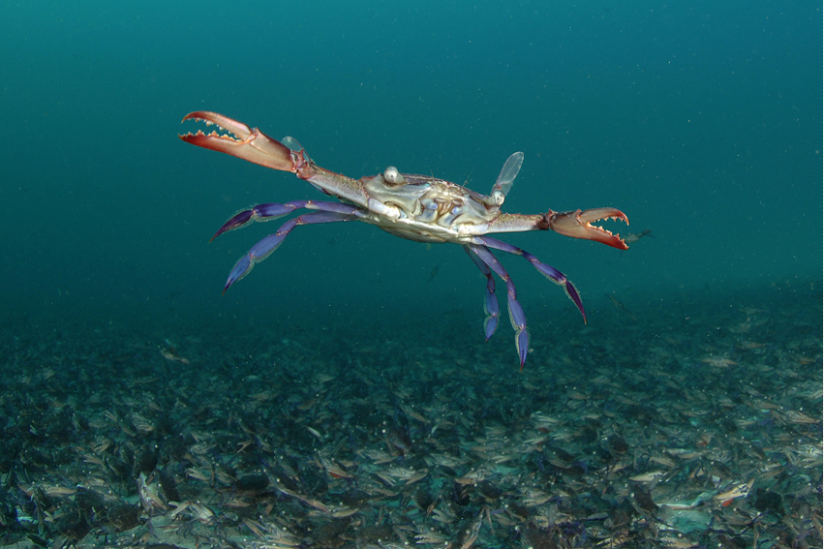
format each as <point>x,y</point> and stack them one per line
<point>700,120</point>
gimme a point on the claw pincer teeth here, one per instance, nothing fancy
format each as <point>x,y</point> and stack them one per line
<point>216,132</point>
<point>589,223</point>
<point>228,135</point>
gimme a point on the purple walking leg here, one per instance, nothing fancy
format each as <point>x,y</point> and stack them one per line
<point>516,312</point>
<point>490,301</point>
<point>269,244</point>
<point>548,271</point>
<point>270,211</point>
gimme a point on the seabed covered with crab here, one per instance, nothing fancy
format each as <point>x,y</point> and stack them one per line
<point>693,421</point>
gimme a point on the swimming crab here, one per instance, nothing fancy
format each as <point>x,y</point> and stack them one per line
<point>415,207</point>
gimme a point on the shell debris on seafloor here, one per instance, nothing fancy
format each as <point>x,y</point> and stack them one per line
<point>674,440</point>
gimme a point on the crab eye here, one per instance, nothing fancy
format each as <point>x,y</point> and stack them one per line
<point>497,198</point>
<point>391,175</point>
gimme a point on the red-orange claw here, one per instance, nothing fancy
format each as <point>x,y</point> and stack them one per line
<point>578,224</point>
<point>241,141</point>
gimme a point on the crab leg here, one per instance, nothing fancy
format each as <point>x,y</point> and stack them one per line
<point>516,312</point>
<point>270,211</point>
<point>269,244</point>
<point>244,142</point>
<point>253,145</point>
<point>548,271</point>
<point>575,224</point>
<point>490,302</point>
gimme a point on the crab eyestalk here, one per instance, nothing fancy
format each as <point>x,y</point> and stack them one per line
<point>578,224</point>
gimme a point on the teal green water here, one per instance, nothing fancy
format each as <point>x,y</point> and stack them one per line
<point>701,122</point>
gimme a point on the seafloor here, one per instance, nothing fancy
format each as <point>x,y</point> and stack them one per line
<point>689,420</point>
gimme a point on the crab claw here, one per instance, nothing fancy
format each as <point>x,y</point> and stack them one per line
<point>243,142</point>
<point>577,224</point>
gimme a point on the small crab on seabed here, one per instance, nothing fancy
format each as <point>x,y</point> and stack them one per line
<point>415,207</point>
